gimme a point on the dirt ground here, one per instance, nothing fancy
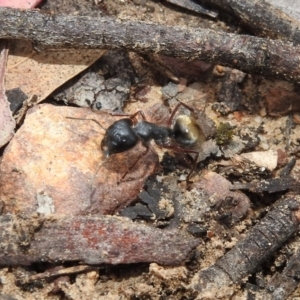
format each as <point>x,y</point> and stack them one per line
<point>258,121</point>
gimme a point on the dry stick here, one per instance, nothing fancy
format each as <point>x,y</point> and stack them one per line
<point>262,18</point>
<point>55,272</point>
<point>89,239</point>
<point>246,256</point>
<point>247,53</point>
<point>195,7</point>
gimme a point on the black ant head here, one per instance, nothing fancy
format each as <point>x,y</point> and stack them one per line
<point>187,132</point>
<point>119,137</point>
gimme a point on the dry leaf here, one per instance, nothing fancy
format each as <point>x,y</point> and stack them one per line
<point>45,71</point>
<point>55,165</point>
<point>7,122</point>
<point>20,3</point>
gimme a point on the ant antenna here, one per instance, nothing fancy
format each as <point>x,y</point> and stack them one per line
<point>184,151</point>
<point>100,165</point>
<point>86,120</point>
<point>130,116</point>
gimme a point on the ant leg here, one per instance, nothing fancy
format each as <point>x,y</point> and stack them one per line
<point>195,159</point>
<point>194,164</point>
<point>147,146</point>
<point>176,109</point>
<point>183,151</point>
<point>93,189</point>
<point>100,165</point>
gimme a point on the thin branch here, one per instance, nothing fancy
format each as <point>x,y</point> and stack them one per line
<point>195,7</point>
<point>250,54</point>
<point>55,272</point>
<point>260,243</point>
<point>262,18</point>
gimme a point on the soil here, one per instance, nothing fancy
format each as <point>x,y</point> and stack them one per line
<point>224,96</point>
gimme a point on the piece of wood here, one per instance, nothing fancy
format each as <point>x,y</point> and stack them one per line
<point>195,7</point>
<point>280,224</point>
<point>90,239</point>
<point>262,18</point>
<point>250,54</point>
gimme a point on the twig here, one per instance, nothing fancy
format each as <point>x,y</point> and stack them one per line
<point>247,255</point>
<point>262,18</point>
<point>89,239</point>
<point>55,272</point>
<point>247,53</point>
<point>195,7</point>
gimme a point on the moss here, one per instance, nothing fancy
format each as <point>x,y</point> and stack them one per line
<point>224,134</point>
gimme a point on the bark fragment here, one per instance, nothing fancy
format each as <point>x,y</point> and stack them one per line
<point>89,239</point>
<point>272,185</point>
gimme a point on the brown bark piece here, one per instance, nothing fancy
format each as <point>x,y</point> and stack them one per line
<point>248,254</point>
<point>247,53</point>
<point>280,101</point>
<point>90,239</point>
<point>55,165</point>
<point>272,185</point>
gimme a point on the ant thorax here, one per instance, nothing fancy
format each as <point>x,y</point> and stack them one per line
<point>149,131</point>
<point>187,132</point>
<point>124,135</point>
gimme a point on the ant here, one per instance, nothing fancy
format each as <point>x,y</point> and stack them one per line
<point>124,134</point>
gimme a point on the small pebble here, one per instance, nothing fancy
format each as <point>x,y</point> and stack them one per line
<point>257,119</point>
<point>296,118</point>
<point>219,71</point>
<point>264,146</point>
<point>182,177</point>
<point>3,280</point>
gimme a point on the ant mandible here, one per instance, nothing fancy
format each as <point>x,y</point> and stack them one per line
<point>124,134</point>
